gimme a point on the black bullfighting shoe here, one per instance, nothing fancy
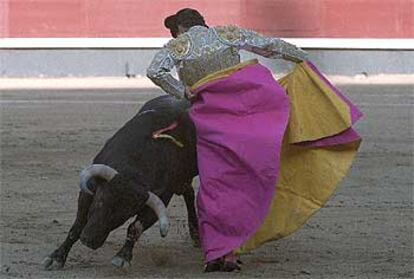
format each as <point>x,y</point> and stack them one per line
<point>222,265</point>
<point>214,265</point>
<point>230,266</point>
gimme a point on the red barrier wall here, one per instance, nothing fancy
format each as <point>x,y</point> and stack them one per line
<point>143,18</point>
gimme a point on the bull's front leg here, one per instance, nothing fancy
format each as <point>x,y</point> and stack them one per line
<point>191,214</point>
<point>144,220</point>
<point>124,256</point>
<point>57,259</point>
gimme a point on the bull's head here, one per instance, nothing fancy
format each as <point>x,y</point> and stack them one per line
<point>116,199</point>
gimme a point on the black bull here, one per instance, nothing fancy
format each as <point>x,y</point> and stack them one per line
<point>132,166</point>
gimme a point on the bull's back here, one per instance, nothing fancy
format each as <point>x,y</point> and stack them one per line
<point>133,150</point>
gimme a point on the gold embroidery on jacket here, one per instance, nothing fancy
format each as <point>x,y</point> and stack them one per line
<point>230,33</point>
<point>179,47</point>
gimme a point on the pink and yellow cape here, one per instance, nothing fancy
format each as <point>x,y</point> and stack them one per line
<point>270,153</point>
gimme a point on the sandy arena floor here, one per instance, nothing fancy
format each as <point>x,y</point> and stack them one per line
<point>47,137</point>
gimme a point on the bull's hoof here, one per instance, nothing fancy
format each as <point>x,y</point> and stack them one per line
<point>120,262</point>
<point>50,263</point>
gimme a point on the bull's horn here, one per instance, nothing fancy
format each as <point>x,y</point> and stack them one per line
<point>159,208</point>
<point>99,170</point>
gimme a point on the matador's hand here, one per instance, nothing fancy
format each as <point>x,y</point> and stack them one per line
<point>188,94</point>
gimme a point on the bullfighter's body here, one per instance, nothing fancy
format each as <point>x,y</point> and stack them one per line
<point>263,147</point>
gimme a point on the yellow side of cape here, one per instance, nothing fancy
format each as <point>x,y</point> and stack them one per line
<point>308,175</point>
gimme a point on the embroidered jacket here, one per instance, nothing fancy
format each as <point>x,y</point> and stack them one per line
<point>201,51</point>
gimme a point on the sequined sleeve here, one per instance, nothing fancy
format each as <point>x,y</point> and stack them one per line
<point>270,47</point>
<point>257,43</point>
<point>159,72</point>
